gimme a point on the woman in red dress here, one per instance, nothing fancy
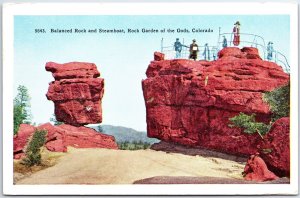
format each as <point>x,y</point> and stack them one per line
<point>236,34</point>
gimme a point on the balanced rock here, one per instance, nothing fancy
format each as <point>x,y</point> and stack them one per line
<point>257,170</point>
<point>76,92</point>
<point>190,102</point>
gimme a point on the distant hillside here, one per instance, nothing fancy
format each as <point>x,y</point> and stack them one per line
<point>123,134</point>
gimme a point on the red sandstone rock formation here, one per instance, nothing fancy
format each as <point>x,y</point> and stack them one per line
<point>56,137</point>
<point>190,102</point>
<point>159,56</point>
<point>275,147</point>
<point>257,170</point>
<point>76,92</point>
<point>59,137</point>
<point>83,137</point>
<point>20,140</point>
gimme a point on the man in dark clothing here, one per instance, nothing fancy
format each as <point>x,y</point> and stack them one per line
<point>178,48</point>
<point>194,50</point>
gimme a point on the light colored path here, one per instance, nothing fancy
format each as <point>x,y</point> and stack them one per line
<point>105,166</point>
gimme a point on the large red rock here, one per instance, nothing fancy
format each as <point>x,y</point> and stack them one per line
<point>20,140</point>
<point>159,56</point>
<point>59,137</point>
<point>84,137</point>
<point>275,147</point>
<point>76,92</point>
<point>257,170</point>
<point>56,138</point>
<point>190,102</point>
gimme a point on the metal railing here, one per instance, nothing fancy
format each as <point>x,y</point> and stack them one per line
<point>280,58</point>
<point>259,43</point>
<point>249,40</point>
<point>170,53</point>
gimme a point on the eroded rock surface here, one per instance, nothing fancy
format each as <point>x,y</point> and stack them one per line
<point>257,170</point>
<point>76,92</point>
<point>62,136</point>
<point>275,147</point>
<point>190,102</point>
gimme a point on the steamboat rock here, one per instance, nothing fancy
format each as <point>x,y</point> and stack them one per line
<point>190,102</point>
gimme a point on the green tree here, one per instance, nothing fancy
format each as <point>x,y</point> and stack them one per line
<point>55,122</point>
<point>100,129</point>
<point>33,148</point>
<point>22,112</point>
<point>249,125</point>
<point>279,101</point>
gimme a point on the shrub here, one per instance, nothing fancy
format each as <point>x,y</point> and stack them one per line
<point>133,145</point>
<point>33,148</point>
<point>279,101</point>
<point>249,125</point>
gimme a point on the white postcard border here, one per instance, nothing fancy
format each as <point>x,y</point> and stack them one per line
<point>10,10</point>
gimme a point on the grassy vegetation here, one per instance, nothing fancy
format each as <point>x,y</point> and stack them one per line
<point>48,159</point>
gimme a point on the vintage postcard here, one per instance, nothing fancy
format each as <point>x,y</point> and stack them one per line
<point>150,98</point>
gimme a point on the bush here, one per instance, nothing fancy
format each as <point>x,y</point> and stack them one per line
<point>249,125</point>
<point>33,148</point>
<point>133,145</point>
<point>279,101</point>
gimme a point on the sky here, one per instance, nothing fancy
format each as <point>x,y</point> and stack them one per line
<point>122,59</point>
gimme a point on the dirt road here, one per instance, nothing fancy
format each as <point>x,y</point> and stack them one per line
<point>105,166</point>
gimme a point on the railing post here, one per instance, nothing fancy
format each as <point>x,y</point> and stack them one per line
<point>219,37</point>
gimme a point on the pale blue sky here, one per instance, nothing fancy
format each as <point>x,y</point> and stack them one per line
<point>122,59</point>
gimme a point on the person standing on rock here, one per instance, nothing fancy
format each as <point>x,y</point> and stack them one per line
<point>194,50</point>
<point>178,47</point>
<point>224,42</point>
<point>206,52</point>
<point>236,34</point>
<point>270,51</point>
